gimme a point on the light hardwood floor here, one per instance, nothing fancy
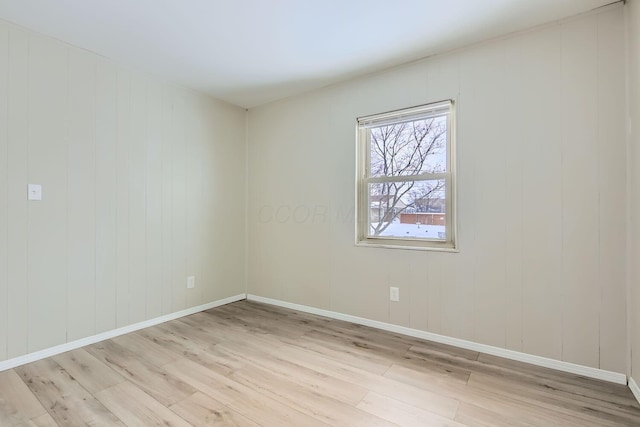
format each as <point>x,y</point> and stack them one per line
<point>248,364</point>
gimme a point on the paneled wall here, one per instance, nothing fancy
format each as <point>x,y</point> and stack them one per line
<point>541,196</point>
<point>633,26</point>
<point>143,184</point>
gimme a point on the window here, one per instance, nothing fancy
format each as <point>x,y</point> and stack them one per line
<point>406,178</point>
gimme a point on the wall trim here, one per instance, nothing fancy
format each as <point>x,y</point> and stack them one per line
<point>63,348</point>
<point>634,388</point>
<point>559,365</point>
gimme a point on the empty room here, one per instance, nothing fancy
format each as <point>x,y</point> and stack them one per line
<point>320,213</point>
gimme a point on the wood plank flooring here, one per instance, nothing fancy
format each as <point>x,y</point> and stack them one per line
<point>249,364</point>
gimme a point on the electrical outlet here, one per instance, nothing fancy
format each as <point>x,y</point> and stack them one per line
<point>191,282</point>
<point>394,294</point>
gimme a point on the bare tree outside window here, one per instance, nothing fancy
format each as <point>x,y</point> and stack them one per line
<point>405,149</point>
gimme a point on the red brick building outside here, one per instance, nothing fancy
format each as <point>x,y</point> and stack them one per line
<point>422,218</point>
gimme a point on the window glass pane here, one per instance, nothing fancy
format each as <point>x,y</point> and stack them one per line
<point>409,148</point>
<point>409,209</point>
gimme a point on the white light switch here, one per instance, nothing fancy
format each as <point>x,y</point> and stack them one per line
<point>191,282</point>
<point>35,192</point>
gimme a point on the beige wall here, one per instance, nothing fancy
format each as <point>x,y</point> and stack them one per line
<point>143,184</point>
<point>542,191</point>
<point>633,26</point>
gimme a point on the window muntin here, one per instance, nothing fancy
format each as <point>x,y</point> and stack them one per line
<point>406,178</point>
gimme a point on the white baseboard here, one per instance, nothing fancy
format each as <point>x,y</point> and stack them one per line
<point>496,351</point>
<point>634,388</point>
<point>586,371</point>
<point>62,348</point>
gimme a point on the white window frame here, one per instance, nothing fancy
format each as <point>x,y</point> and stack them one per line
<point>363,178</point>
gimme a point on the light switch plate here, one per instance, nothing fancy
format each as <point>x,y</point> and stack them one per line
<point>34,192</point>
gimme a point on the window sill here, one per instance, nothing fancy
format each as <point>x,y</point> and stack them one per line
<point>402,245</point>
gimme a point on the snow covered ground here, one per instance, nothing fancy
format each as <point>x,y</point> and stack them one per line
<point>414,230</point>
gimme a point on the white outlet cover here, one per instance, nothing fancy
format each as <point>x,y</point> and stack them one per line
<point>394,294</point>
<point>191,282</point>
<point>34,192</point>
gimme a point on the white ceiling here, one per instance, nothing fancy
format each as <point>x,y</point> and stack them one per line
<point>250,52</point>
